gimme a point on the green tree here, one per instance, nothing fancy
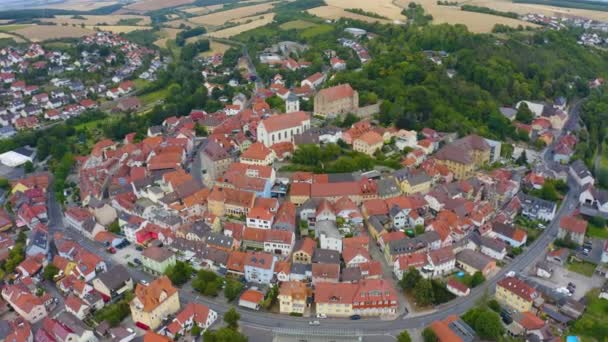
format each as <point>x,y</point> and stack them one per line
<point>224,335</point>
<point>232,289</point>
<point>477,279</point>
<point>201,131</point>
<point>114,227</point>
<point>276,103</point>
<point>50,271</point>
<point>486,323</point>
<point>4,184</point>
<point>404,336</point>
<point>410,279</point>
<point>423,292</point>
<point>524,114</point>
<point>196,330</point>
<point>28,167</point>
<point>494,305</point>
<point>231,318</point>
<point>428,335</point>
<point>179,273</point>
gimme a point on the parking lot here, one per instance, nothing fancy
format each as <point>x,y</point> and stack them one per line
<point>562,276</point>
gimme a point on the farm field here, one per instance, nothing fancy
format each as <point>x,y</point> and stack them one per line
<point>152,5</point>
<point>166,34</point>
<point>80,5</point>
<point>202,10</point>
<point>178,22</point>
<point>333,12</point>
<point>385,8</point>
<point>297,25</point>
<point>4,35</point>
<point>507,5</point>
<point>11,28</point>
<point>233,31</point>
<point>220,18</point>
<point>91,20</point>
<point>39,33</point>
<point>475,22</point>
<point>215,47</point>
<point>119,28</point>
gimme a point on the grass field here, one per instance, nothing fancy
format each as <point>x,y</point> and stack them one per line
<point>11,28</point>
<point>584,268</point>
<point>152,5</point>
<point>597,232</point>
<point>91,20</point>
<point>312,32</point>
<point>165,34</point>
<point>120,28</point>
<point>297,25</point>
<point>233,31</point>
<point>154,96</point>
<point>593,325</point>
<point>222,17</point>
<point>333,12</point>
<point>40,33</point>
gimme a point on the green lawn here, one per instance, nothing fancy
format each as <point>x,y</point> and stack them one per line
<point>593,325</point>
<point>584,268</point>
<point>297,25</point>
<point>11,28</point>
<point>312,32</point>
<point>140,83</point>
<point>597,232</point>
<point>154,96</point>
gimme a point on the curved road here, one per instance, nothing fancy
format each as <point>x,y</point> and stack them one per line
<point>369,326</point>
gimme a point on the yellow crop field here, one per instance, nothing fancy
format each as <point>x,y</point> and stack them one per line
<point>39,33</point>
<point>166,34</point>
<point>152,5</point>
<point>508,6</point>
<point>91,20</point>
<point>233,31</point>
<point>333,12</point>
<point>215,47</point>
<point>4,35</point>
<point>475,22</point>
<point>222,17</point>
<point>386,8</point>
<point>202,10</point>
<point>80,5</point>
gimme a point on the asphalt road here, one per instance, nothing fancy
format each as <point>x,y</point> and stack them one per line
<point>369,326</point>
<point>264,321</point>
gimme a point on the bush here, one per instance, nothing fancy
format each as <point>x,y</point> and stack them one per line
<point>428,335</point>
<point>295,314</point>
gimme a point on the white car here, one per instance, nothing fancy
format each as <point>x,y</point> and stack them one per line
<point>144,282</point>
<point>314,323</point>
<point>321,315</point>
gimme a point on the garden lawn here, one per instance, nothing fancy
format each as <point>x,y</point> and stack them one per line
<point>154,96</point>
<point>297,25</point>
<point>597,232</point>
<point>584,268</point>
<point>312,32</point>
<point>593,325</point>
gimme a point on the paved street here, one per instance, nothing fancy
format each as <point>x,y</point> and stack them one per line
<point>264,322</point>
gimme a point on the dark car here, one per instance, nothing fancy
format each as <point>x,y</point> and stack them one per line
<point>137,261</point>
<point>355,317</point>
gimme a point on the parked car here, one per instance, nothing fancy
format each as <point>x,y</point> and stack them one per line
<point>321,316</point>
<point>137,261</point>
<point>144,282</point>
<point>314,323</point>
<point>111,250</point>
<point>355,317</point>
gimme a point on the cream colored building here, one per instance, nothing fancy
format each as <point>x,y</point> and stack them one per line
<point>368,143</point>
<point>156,259</point>
<point>336,101</point>
<point>334,300</point>
<point>292,297</point>
<point>154,302</point>
<point>516,294</point>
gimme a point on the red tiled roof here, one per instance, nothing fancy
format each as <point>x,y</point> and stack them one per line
<point>284,121</point>
<point>518,287</point>
<point>336,93</point>
<point>257,151</point>
<point>573,224</point>
<point>252,296</point>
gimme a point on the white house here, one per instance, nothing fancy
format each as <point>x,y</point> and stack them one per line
<point>329,235</point>
<point>581,174</point>
<point>259,267</point>
<point>442,262</point>
<point>260,218</point>
<point>282,128</point>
